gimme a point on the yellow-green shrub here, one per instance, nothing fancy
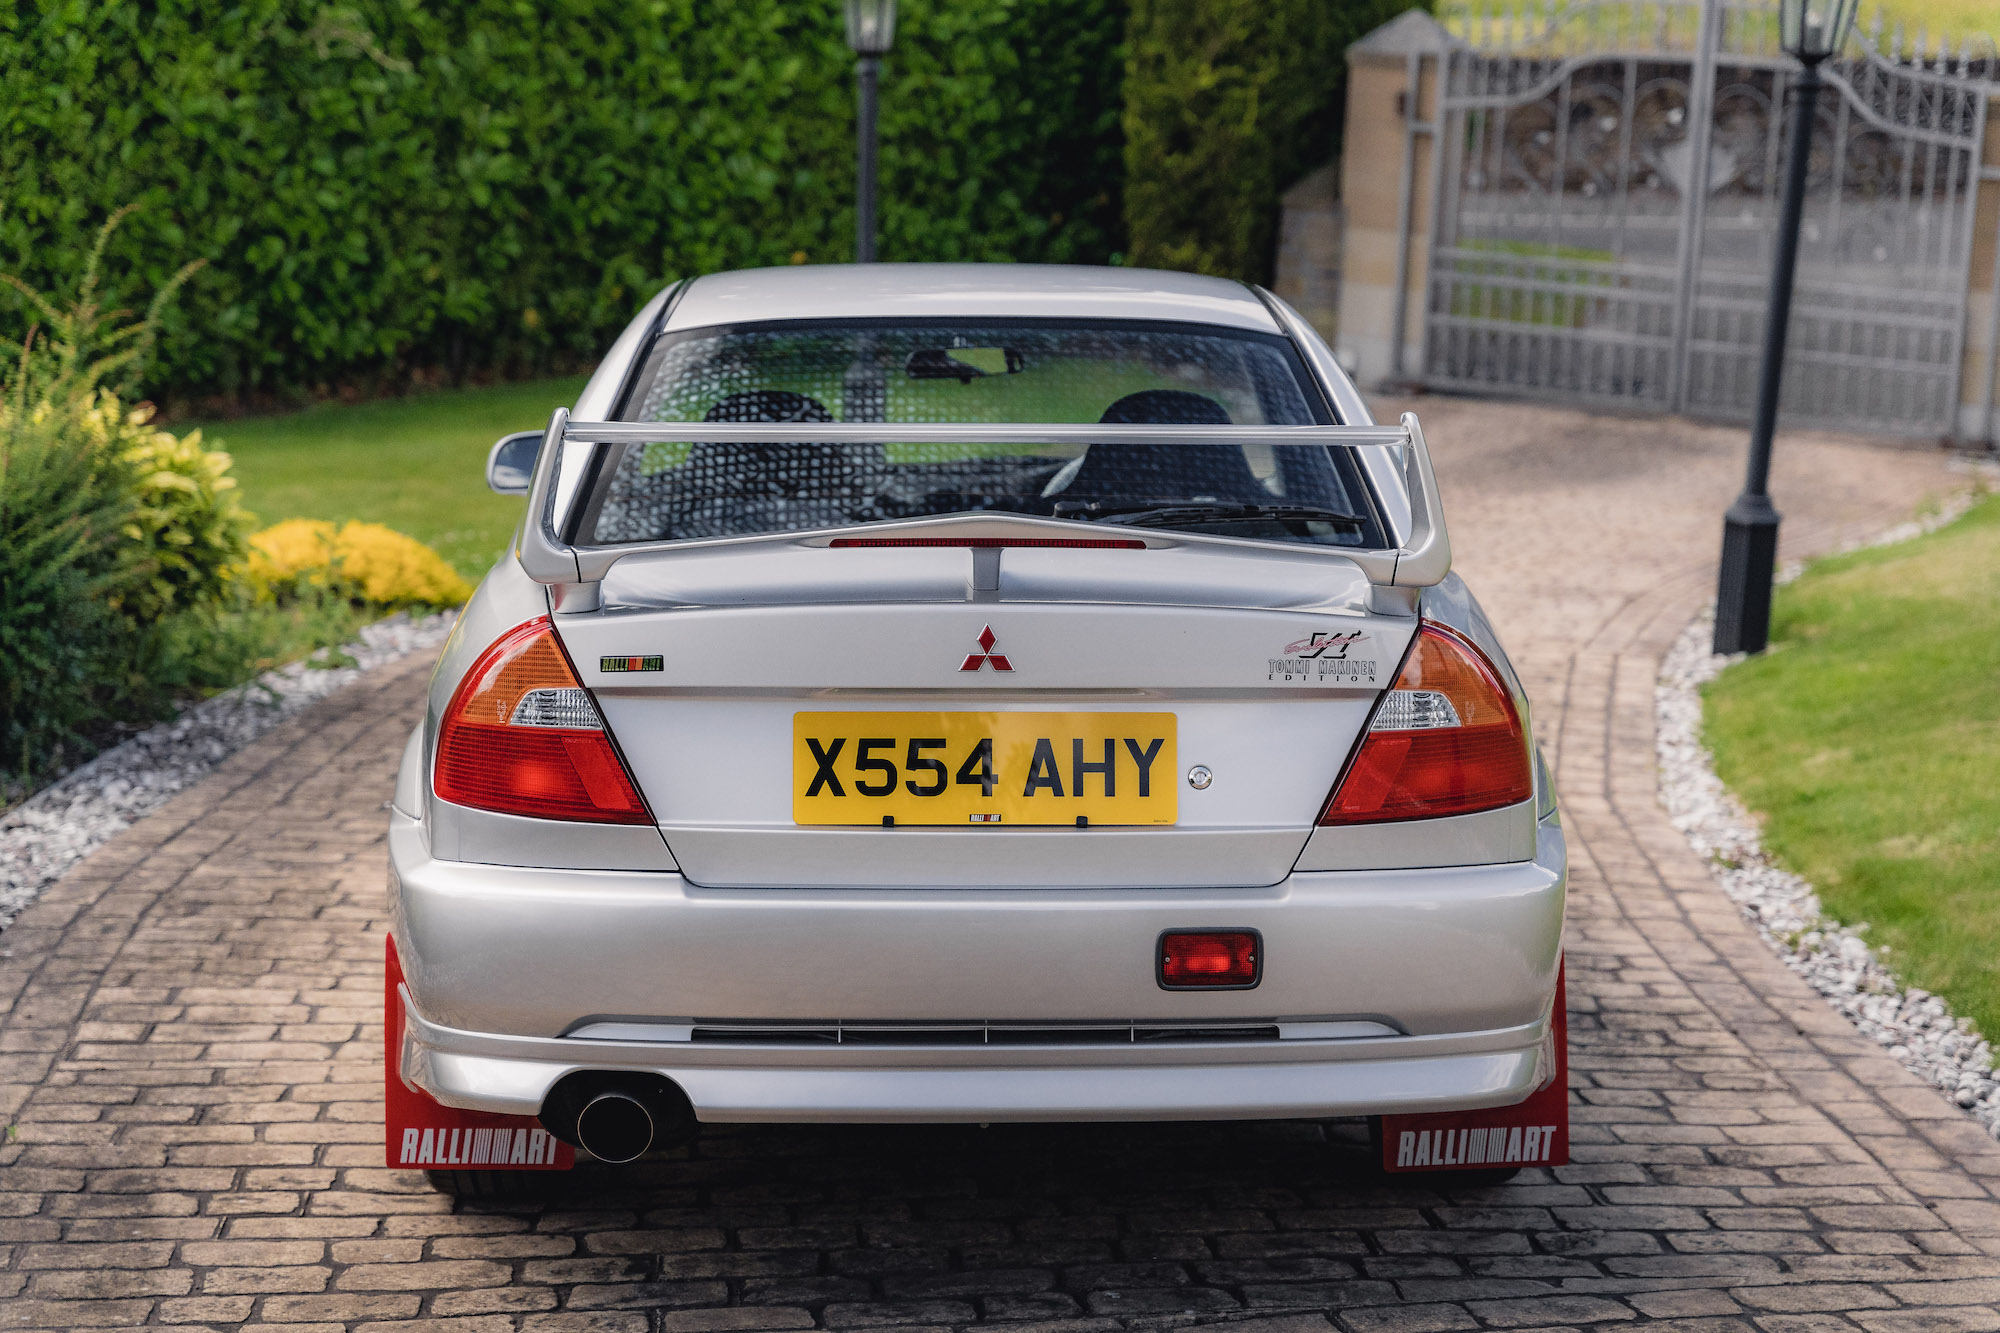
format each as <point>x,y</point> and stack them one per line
<point>110,532</point>
<point>365,561</point>
<point>187,528</point>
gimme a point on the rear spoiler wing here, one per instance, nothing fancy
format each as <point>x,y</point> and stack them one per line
<point>1421,561</point>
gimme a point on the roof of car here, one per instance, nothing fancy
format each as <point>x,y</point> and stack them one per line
<point>958,291</point>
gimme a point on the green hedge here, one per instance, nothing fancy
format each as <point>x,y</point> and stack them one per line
<point>384,186</point>
<point>1228,103</point>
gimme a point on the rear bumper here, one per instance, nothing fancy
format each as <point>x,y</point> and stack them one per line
<point>481,1071</point>
<point>1455,968</point>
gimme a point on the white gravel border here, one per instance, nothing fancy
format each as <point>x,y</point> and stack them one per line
<point>69,819</point>
<point>1835,959</point>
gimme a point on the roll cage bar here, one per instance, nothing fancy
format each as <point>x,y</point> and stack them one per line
<point>1423,559</point>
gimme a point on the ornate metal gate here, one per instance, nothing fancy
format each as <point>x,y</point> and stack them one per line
<point>1606,193</point>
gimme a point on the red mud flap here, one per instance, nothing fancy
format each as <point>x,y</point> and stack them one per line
<point>1533,1133</point>
<point>422,1133</point>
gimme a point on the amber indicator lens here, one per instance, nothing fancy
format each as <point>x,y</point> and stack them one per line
<point>1210,959</point>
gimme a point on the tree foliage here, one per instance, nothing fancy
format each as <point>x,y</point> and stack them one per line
<point>385,187</point>
<point>1226,105</point>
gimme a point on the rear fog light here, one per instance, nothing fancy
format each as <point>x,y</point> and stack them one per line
<point>1210,959</point>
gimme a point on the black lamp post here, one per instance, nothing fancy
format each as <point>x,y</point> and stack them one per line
<point>1811,31</point>
<point>871,31</point>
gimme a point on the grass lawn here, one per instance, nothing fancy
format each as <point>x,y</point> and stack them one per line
<point>417,464</point>
<point>1537,264</point>
<point>1954,19</point>
<point>1869,737</point>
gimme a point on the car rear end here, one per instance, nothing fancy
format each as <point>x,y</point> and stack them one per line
<point>937,777</point>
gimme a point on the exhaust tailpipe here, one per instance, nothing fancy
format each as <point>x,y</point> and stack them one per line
<point>615,1127</point>
<point>618,1117</point>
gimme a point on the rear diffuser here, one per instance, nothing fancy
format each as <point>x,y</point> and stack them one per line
<point>1532,1133</point>
<point>425,1134</point>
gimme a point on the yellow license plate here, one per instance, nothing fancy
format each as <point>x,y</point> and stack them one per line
<point>973,769</point>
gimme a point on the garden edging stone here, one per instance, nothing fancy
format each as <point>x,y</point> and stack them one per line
<point>73,816</point>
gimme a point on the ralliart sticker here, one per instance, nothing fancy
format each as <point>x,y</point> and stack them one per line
<point>1476,1145</point>
<point>478,1147</point>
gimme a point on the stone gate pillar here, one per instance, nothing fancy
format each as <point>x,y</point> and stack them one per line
<point>1386,178</point>
<point>1978,412</point>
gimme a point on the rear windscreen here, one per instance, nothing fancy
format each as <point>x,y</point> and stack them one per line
<point>991,372</point>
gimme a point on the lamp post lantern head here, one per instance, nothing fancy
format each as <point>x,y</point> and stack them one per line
<point>1809,30</point>
<point>871,26</point>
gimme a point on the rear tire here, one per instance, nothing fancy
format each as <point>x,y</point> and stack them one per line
<point>490,1185</point>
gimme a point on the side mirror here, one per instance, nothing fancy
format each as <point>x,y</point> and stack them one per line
<point>510,466</point>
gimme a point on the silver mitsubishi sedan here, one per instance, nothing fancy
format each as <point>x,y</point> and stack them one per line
<point>970,693</point>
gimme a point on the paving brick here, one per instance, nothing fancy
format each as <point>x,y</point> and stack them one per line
<point>148,1254</point>
<point>108,1283</point>
<point>875,1314</point>
<point>260,1253</point>
<point>26,1314</point>
<point>218,1310</point>
<point>493,1300</point>
<point>1683,1304</point>
<point>501,1247</point>
<point>1968,1291</point>
<point>1535,1310</point>
<point>1815,1296</point>
<point>646,1295</point>
<point>734,1320</point>
<point>338,1307</point>
<point>1408,1319</point>
<point>907,1287</point>
<point>1965,1319</point>
<point>580,1323</point>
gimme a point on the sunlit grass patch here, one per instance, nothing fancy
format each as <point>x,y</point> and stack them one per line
<point>1869,739</point>
<point>1649,23</point>
<point>1558,287</point>
<point>416,464</point>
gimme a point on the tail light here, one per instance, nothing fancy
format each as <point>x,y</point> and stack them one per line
<point>523,737</point>
<point>1446,741</point>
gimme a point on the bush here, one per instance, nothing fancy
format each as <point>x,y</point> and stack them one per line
<point>117,541</point>
<point>215,647</point>
<point>62,511</point>
<point>1227,104</point>
<point>186,529</point>
<point>365,562</point>
<point>385,189</point>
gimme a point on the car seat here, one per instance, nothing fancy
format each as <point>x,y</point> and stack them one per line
<point>779,470</point>
<point>1135,473</point>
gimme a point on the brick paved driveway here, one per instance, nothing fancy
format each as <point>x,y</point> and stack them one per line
<point>192,1056</point>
